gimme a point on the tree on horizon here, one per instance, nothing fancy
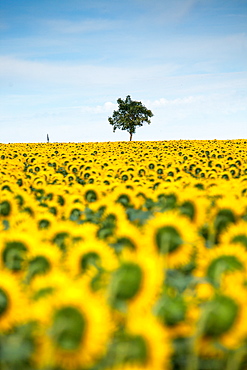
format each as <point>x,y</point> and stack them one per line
<point>130,115</point>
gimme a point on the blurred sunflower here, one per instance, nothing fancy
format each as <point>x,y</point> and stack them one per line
<point>44,220</point>
<point>235,234</point>
<point>93,252</point>
<point>77,331</point>
<point>227,211</point>
<point>8,205</point>
<point>149,344</point>
<point>128,235</point>
<point>73,211</point>
<point>13,302</point>
<point>38,182</point>
<point>178,313</point>
<point>224,259</point>
<point>91,193</point>
<point>194,206</point>
<point>167,199</point>
<point>173,236</point>
<point>221,325</point>
<point>137,282</point>
<point>42,285</point>
<point>43,259</point>
<point>126,196</point>
<point>14,250</point>
<point>113,214</point>
<point>60,234</point>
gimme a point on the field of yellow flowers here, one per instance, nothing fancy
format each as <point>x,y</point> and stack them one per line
<point>123,255</point>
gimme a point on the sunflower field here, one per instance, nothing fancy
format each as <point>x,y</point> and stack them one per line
<point>123,255</point>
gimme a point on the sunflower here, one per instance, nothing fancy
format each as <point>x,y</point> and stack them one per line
<point>127,235</point>
<point>221,260</point>
<point>221,325</point>
<point>42,285</point>
<point>173,236</point>
<point>167,199</point>
<point>24,199</point>
<point>38,182</point>
<point>148,342</point>
<point>178,313</point>
<point>135,285</point>
<point>14,250</point>
<point>102,203</point>
<point>126,196</point>
<point>234,286</point>
<point>8,205</point>
<point>45,220</point>
<point>227,212</point>
<point>29,205</point>
<point>235,234</point>
<point>113,214</point>
<point>91,252</point>
<point>60,234</point>
<point>194,206</point>
<point>13,302</point>
<point>73,211</point>
<point>77,331</point>
<point>91,193</point>
<point>43,259</point>
<point>57,209</point>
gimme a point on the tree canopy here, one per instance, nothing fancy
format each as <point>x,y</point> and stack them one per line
<point>130,115</point>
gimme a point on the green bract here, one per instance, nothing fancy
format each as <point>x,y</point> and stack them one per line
<point>14,255</point>
<point>222,264</point>
<point>38,265</point>
<point>168,239</point>
<point>221,315</point>
<point>89,259</point>
<point>3,302</point>
<point>5,208</point>
<point>171,310</point>
<point>68,328</point>
<point>127,281</point>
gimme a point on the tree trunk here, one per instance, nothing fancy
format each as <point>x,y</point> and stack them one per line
<point>131,136</point>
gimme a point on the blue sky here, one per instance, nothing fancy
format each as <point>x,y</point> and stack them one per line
<point>64,64</point>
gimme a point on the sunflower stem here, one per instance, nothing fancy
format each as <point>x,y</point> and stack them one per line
<point>212,237</point>
<point>193,361</point>
<point>235,359</point>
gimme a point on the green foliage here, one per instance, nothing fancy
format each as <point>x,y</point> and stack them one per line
<point>130,115</point>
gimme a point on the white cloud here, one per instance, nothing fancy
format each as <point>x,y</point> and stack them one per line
<point>156,80</point>
<point>162,102</point>
<point>105,108</point>
<point>64,74</point>
<point>210,104</point>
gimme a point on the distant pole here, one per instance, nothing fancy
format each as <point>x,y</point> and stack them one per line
<point>47,138</point>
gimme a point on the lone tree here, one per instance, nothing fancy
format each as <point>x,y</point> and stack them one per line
<point>130,114</point>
